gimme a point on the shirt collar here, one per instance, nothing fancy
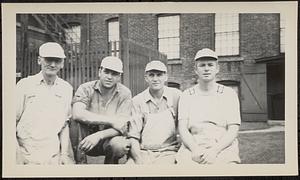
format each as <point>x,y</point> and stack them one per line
<point>40,79</point>
<point>147,96</point>
<point>97,87</point>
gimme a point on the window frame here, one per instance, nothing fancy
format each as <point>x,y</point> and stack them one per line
<point>113,52</point>
<point>72,25</point>
<point>174,37</point>
<point>238,36</point>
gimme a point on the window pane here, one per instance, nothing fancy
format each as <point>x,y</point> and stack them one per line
<point>114,37</point>
<point>113,31</point>
<point>168,36</point>
<point>227,34</point>
<point>72,34</point>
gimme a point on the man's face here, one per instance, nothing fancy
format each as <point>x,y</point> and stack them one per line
<point>206,69</point>
<point>156,79</point>
<point>108,77</point>
<point>50,65</point>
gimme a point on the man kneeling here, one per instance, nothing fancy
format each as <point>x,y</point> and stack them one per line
<point>101,110</point>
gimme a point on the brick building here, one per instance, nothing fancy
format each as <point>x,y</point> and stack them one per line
<point>250,48</point>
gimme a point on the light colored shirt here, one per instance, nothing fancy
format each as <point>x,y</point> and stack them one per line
<point>209,115</point>
<point>90,94</point>
<point>144,104</point>
<point>42,112</point>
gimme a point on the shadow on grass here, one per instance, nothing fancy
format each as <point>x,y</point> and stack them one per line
<point>262,148</point>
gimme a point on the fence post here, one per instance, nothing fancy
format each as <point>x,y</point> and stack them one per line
<point>125,59</point>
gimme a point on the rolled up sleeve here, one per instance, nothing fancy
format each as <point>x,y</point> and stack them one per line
<point>82,95</point>
<point>136,123</point>
<point>233,109</point>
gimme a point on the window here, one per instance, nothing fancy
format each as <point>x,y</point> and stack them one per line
<point>72,35</point>
<point>227,34</point>
<point>168,36</point>
<point>282,33</point>
<point>114,36</point>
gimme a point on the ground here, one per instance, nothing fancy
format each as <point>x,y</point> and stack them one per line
<point>262,148</point>
<point>256,146</point>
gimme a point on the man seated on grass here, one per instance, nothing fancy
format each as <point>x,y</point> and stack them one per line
<point>153,128</point>
<point>209,117</point>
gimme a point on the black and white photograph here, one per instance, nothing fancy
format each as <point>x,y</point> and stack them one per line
<point>175,89</point>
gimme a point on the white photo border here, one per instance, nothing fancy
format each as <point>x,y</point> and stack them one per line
<point>10,169</point>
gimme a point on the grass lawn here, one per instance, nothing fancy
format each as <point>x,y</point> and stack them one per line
<point>262,148</point>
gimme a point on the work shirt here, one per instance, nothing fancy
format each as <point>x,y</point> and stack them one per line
<point>209,116</point>
<point>42,112</point>
<point>90,94</point>
<point>162,134</point>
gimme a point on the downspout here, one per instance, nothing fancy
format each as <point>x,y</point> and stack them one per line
<point>88,36</point>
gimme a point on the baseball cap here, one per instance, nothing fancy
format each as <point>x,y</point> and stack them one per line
<point>205,53</point>
<point>112,63</point>
<point>156,65</point>
<point>51,49</point>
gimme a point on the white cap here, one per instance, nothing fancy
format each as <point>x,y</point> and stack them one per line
<point>206,53</point>
<point>156,65</point>
<point>51,49</point>
<point>112,63</point>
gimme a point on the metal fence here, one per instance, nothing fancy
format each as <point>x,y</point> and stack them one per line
<point>83,61</point>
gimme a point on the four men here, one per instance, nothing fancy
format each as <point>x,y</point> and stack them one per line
<point>107,121</point>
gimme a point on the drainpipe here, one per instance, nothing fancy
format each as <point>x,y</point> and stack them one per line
<point>88,36</point>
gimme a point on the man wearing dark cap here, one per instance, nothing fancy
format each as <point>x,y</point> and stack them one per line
<point>209,117</point>
<point>154,119</point>
<point>43,112</point>
<point>102,110</point>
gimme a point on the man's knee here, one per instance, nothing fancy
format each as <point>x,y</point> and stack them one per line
<point>119,146</point>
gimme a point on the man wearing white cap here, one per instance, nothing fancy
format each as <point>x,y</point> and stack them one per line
<point>102,108</point>
<point>209,117</point>
<point>153,127</point>
<point>43,111</point>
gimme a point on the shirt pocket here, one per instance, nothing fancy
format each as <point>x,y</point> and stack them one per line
<point>60,102</point>
<point>32,100</point>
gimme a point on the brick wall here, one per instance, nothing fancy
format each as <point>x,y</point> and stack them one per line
<point>142,28</point>
<point>196,32</point>
<point>259,35</point>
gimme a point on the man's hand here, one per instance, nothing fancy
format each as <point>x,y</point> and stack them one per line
<point>66,159</point>
<point>90,141</point>
<point>197,154</point>
<point>20,158</point>
<point>209,156</point>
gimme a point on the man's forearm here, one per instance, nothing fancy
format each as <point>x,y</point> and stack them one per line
<point>87,117</point>
<point>228,138</point>
<point>108,133</point>
<point>135,149</point>
<point>186,136</point>
<point>64,140</point>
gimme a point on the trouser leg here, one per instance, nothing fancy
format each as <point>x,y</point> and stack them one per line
<point>116,148</point>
